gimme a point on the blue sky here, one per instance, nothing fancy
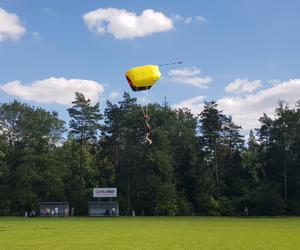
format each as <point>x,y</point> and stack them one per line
<point>244,54</point>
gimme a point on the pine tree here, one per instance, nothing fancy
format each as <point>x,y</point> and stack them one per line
<point>210,126</point>
<point>85,119</point>
<point>84,128</point>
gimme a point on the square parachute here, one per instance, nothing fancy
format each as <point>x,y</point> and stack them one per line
<point>143,77</point>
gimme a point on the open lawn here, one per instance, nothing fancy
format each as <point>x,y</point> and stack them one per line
<point>150,233</point>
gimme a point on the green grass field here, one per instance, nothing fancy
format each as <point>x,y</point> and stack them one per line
<point>150,233</point>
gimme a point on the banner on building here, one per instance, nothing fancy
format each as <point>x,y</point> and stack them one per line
<point>104,192</point>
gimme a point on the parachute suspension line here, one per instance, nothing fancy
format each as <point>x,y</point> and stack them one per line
<point>161,65</point>
<point>147,126</point>
<point>145,113</point>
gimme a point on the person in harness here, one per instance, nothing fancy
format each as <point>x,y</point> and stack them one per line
<point>148,129</point>
<point>142,78</point>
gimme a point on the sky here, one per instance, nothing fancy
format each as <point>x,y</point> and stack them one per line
<point>244,54</point>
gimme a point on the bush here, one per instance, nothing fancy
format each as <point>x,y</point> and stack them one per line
<point>226,206</point>
<point>183,206</point>
<point>293,207</point>
<point>267,203</point>
<point>213,206</point>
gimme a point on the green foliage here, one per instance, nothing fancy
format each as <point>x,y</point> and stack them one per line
<point>85,117</point>
<point>267,202</point>
<point>29,138</point>
<point>183,206</point>
<point>196,164</point>
<point>293,207</point>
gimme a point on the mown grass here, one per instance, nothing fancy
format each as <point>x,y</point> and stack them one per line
<point>150,233</point>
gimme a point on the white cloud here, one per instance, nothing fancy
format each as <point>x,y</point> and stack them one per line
<point>114,94</point>
<point>188,20</point>
<point>195,104</point>
<point>200,19</point>
<point>127,25</point>
<point>177,17</point>
<point>243,86</point>
<point>189,76</point>
<point>10,26</point>
<point>54,90</point>
<point>185,72</point>
<point>246,110</point>
<point>199,82</point>
<point>274,82</point>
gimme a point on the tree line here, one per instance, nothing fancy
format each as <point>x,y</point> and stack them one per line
<point>197,165</point>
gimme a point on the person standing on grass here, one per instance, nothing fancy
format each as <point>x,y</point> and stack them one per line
<point>66,212</point>
<point>246,211</point>
<point>56,211</point>
<point>32,213</point>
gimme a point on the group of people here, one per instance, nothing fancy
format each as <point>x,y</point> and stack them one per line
<point>110,213</point>
<point>55,212</point>
<point>31,214</point>
<point>52,212</point>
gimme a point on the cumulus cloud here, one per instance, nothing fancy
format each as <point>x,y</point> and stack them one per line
<point>185,72</point>
<point>54,90</point>
<point>127,25</point>
<point>200,19</point>
<point>246,110</point>
<point>10,26</point>
<point>188,20</point>
<point>189,76</point>
<point>274,81</point>
<point>199,82</point>
<point>243,86</point>
<point>195,104</point>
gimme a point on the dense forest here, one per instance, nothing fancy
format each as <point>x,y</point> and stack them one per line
<point>197,165</point>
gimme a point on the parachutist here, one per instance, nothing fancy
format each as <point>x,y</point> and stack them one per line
<point>143,78</point>
<point>148,129</point>
<point>146,118</point>
<point>148,138</point>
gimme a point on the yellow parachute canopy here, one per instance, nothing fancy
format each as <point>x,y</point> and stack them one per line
<point>143,77</point>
